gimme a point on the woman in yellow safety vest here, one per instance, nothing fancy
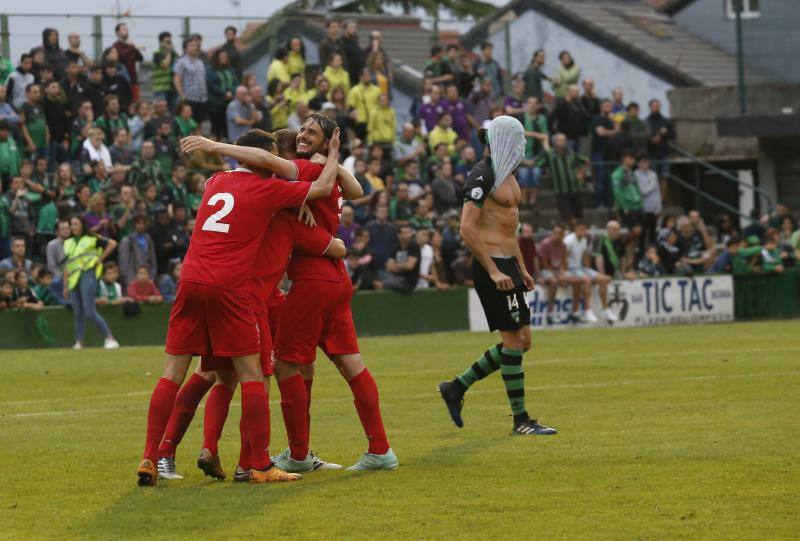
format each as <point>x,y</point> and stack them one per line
<point>83,264</point>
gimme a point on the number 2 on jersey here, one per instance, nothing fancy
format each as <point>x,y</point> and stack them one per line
<point>213,223</point>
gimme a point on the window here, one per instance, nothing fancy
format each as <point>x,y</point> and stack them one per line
<point>750,9</point>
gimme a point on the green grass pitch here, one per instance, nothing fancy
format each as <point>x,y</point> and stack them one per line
<point>664,433</point>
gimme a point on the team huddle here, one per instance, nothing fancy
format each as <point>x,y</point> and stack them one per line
<point>230,312</point>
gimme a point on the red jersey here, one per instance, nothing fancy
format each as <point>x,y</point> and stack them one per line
<point>326,212</point>
<point>284,234</point>
<point>236,209</point>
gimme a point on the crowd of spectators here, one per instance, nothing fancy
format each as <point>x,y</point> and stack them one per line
<point>76,139</point>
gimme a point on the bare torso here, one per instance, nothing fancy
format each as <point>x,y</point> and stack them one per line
<point>500,218</point>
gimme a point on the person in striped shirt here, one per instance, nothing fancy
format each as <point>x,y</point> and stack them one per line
<point>567,170</point>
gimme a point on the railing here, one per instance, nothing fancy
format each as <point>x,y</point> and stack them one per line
<point>727,175</point>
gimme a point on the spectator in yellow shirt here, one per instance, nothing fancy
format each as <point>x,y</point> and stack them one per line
<point>279,112</point>
<point>336,74</point>
<point>363,98</point>
<point>373,175</point>
<point>294,94</point>
<point>382,123</point>
<point>443,133</point>
<point>278,68</point>
<point>296,59</point>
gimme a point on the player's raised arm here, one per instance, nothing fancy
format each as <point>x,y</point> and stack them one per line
<point>255,157</point>
<point>323,186</point>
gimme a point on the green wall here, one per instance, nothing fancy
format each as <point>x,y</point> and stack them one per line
<point>375,314</point>
<point>767,295</point>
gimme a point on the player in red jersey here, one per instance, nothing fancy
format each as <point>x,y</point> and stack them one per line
<point>213,314</point>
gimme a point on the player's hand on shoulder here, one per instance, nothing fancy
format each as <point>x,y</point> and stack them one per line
<point>502,281</point>
<point>318,159</point>
<point>306,216</point>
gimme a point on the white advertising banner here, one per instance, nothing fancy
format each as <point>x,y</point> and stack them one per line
<point>653,301</point>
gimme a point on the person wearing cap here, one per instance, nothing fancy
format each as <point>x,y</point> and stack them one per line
<point>489,223</point>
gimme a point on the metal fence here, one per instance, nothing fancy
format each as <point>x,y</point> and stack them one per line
<point>20,32</point>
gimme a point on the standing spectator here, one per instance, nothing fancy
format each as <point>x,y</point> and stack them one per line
<point>527,247</point>
<point>382,124</point>
<point>431,109</point>
<point>241,115</point>
<point>170,240</point>
<point>234,57</point>
<point>143,289</point>
<point>222,82</point>
<point>487,67</point>
<point>534,76</point>
<point>438,69</point>
<point>380,72</point>
<point>55,249</point>
<point>74,88</point>
<point>165,147</point>
<point>95,89</point>
<point>260,106</point>
<point>639,131</point>
<point>553,259</point>
<point>17,259</point>
<point>113,118</point>
<point>53,55</point>
<point>374,47</point>
<point>618,107</point>
<point>9,154</point>
<point>601,128</point>
<point>33,123</point>
<point>590,103</point>
<point>6,67</point>
<point>123,212</point>
<point>296,58</point>
<point>137,249</point>
<point>647,182</point>
<point>190,80</point>
<point>459,111</point>
<point>402,269</point>
<point>19,80</point>
<point>146,169</point>
<point>482,100</point>
<point>464,75</point>
<point>318,95</point>
<point>514,105</point>
<point>337,76</point>
<point>295,93</point>
<point>129,55</point>
<point>279,67</point>
<point>19,209</point>
<point>568,74</point>
<point>115,83</point>
<point>445,193</point>
<point>529,174</point>
<point>354,55</point>
<point>566,174</point>
<point>382,237</point>
<point>627,198</point>
<point>7,112</point>
<point>407,149</point>
<point>331,44</point>
<point>569,117</point>
<point>661,132</point>
<point>83,256</point>
<point>163,62</point>
<point>111,57</point>
<point>363,98</point>
<point>75,54</point>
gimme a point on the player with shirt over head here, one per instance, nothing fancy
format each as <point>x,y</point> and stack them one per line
<point>489,224</point>
<point>213,312</point>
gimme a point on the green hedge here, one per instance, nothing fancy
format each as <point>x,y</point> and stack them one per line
<point>375,314</point>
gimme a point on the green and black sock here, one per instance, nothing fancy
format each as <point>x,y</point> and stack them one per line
<point>514,380</point>
<point>486,364</point>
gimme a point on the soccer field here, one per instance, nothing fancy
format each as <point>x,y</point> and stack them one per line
<point>664,433</point>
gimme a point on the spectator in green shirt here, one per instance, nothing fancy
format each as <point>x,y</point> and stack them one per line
<point>627,198</point>
<point>536,135</point>
<point>146,169</point>
<point>165,147</point>
<point>112,118</point>
<point>163,59</point>
<point>401,207</point>
<point>175,190</point>
<point>422,216</point>
<point>566,176</point>
<point>43,290</point>
<point>10,158</point>
<point>185,124</point>
<point>33,122</point>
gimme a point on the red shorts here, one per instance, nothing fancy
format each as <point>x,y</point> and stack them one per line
<point>275,304</point>
<point>316,313</point>
<point>211,320</point>
<point>209,363</point>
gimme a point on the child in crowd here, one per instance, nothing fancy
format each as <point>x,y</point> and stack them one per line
<point>143,289</point>
<point>109,292</point>
<point>43,290</point>
<point>23,295</point>
<point>650,264</point>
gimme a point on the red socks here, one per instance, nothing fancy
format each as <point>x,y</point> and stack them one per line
<point>161,403</point>
<point>244,449</point>
<point>182,414</point>
<point>217,405</point>
<point>365,393</point>
<point>255,418</point>
<point>294,404</point>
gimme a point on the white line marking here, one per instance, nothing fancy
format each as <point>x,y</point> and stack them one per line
<point>709,377</point>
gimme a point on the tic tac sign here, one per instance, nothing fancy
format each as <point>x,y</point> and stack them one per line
<point>654,301</point>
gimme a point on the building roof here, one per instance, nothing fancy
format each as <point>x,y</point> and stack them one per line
<point>633,30</point>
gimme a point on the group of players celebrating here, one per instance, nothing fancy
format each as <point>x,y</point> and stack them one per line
<point>230,312</point>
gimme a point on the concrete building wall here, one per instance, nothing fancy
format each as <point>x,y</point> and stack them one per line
<point>770,42</point>
<point>533,31</point>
